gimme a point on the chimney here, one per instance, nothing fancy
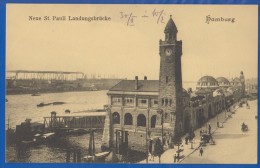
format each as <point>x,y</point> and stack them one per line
<point>136,82</point>
<point>145,77</point>
<point>189,90</point>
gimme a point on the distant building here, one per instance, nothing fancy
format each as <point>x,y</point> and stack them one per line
<point>252,87</point>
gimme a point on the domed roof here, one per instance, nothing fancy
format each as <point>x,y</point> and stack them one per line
<point>222,80</point>
<point>237,80</point>
<point>208,79</point>
<point>170,26</point>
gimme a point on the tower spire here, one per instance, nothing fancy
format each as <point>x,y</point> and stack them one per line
<point>170,30</point>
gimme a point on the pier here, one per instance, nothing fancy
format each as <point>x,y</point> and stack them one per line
<point>81,120</point>
<point>45,75</point>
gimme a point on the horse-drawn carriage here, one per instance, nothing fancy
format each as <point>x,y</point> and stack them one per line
<point>206,138</point>
<point>244,127</point>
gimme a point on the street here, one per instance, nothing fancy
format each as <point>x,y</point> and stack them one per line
<point>232,145</point>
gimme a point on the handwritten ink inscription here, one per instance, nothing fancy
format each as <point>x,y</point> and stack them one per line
<point>131,18</point>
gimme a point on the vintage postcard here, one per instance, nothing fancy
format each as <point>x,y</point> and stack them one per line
<point>149,84</point>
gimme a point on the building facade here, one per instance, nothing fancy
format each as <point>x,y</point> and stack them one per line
<point>144,109</point>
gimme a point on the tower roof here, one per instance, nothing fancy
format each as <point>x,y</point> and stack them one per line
<point>208,79</point>
<point>223,81</point>
<point>170,26</point>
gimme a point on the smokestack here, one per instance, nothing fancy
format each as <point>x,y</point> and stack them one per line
<point>136,82</point>
<point>145,77</point>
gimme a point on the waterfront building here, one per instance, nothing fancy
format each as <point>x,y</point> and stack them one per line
<point>144,109</point>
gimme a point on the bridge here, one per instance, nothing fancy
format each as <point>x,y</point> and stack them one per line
<point>44,75</point>
<point>80,120</point>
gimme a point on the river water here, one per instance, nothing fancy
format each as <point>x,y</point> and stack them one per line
<point>20,107</point>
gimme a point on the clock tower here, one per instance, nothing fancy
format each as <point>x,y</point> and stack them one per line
<point>170,82</point>
<point>242,79</point>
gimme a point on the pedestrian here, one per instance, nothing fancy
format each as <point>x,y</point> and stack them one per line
<point>209,128</point>
<point>186,140</point>
<point>151,150</point>
<point>201,151</point>
<point>175,158</point>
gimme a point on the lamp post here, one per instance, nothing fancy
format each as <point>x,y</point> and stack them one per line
<point>147,132</point>
<point>192,135</point>
<point>160,111</point>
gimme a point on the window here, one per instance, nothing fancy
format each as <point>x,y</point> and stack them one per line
<point>116,100</point>
<point>153,121</point>
<point>142,102</point>
<point>128,120</point>
<point>141,120</point>
<point>170,102</point>
<point>166,116</point>
<point>154,102</point>
<point>116,118</point>
<point>180,124</point>
<point>162,102</point>
<point>166,102</point>
<point>129,101</point>
<point>167,79</point>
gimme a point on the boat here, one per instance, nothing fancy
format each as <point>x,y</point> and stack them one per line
<point>58,103</point>
<point>43,104</point>
<point>101,155</point>
<point>35,94</point>
<point>47,104</point>
<point>28,143</point>
<point>67,111</point>
<point>48,135</point>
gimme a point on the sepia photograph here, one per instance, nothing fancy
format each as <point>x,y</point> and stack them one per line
<point>132,84</point>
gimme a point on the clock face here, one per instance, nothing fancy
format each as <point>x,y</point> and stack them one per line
<point>168,51</point>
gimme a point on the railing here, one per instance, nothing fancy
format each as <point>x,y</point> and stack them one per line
<point>63,122</point>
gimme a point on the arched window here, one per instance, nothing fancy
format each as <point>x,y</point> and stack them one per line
<point>153,121</point>
<point>116,118</point>
<point>128,120</point>
<point>180,123</point>
<point>166,102</point>
<point>166,116</point>
<point>141,120</point>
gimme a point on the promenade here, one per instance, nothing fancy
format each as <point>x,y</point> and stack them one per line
<point>232,145</point>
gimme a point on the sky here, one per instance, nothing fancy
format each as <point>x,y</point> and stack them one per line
<point>128,50</point>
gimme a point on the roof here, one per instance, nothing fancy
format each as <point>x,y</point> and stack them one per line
<point>143,86</point>
<point>34,124</point>
<point>236,80</point>
<point>83,114</point>
<point>218,92</point>
<point>222,80</point>
<point>203,91</point>
<point>170,26</point>
<point>207,79</point>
